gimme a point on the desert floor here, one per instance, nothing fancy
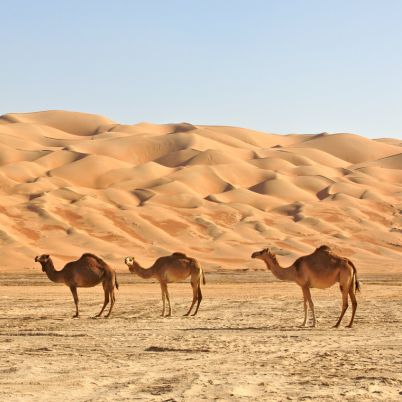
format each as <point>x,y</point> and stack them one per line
<point>245,344</point>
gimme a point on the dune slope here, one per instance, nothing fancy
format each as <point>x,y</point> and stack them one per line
<point>73,182</point>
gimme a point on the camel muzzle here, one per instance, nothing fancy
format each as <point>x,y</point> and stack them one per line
<point>37,258</point>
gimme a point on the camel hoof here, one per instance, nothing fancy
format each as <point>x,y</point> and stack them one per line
<point>336,326</point>
<point>75,316</point>
<point>185,315</point>
<point>192,315</point>
<point>349,326</point>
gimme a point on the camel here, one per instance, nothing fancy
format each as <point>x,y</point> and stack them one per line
<point>321,269</point>
<point>86,272</point>
<point>172,268</point>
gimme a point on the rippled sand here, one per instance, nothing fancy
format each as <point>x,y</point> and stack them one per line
<point>245,344</point>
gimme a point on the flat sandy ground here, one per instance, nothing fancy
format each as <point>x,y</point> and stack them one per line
<point>245,344</point>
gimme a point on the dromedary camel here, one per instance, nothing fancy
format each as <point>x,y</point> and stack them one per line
<point>172,268</point>
<point>86,272</point>
<point>321,269</point>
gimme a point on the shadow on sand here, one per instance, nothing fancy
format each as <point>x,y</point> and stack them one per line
<point>264,328</point>
<point>163,349</point>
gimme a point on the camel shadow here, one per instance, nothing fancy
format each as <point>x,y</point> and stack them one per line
<point>254,328</point>
<point>159,349</point>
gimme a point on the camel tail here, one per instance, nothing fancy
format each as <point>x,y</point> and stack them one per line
<point>202,272</point>
<point>197,265</point>
<point>356,281</point>
<point>115,281</point>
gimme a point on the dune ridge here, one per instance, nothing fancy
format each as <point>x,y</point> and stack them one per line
<point>73,182</point>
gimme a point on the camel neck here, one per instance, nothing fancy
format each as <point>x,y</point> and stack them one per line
<point>284,274</point>
<point>52,274</point>
<point>145,273</point>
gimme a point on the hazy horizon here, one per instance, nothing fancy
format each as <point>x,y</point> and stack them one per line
<point>199,124</point>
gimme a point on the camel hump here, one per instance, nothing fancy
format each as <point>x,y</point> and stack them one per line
<point>323,248</point>
<point>179,255</point>
<point>90,255</point>
<point>96,258</point>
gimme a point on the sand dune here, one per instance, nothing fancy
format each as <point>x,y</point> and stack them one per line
<point>73,182</point>
<point>350,147</point>
<point>70,122</point>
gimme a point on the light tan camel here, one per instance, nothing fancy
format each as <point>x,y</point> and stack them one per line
<point>172,268</point>
<point>321,269</point>
<point>86,272</point>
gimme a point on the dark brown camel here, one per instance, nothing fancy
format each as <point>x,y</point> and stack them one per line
<point>86,272</point>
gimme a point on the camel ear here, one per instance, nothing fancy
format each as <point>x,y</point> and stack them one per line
<point>46,256</point>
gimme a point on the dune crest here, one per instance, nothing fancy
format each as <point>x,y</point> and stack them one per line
<point>70,179</point>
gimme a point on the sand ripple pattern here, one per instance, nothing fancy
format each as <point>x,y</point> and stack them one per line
<point>243,346</point>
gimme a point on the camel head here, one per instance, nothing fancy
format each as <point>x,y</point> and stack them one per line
<point>129,261</point>
<point>265,255</point>
<point>43,259</point>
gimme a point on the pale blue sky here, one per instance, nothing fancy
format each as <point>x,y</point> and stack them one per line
<point>279,66</point>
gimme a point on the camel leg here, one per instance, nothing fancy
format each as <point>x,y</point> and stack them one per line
<point>345,292</point>
<point>163,299</point>
<point>168,300</point>
<point>106,301</point>
<point>305,307</point>
<point>194,299</point>
<point>311,304</point>
<point>199,298</point>
<point>112,300</point>
<point>354,304</point>
<point>75,296</point>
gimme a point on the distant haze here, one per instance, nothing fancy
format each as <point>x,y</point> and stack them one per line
<point>274,66</point>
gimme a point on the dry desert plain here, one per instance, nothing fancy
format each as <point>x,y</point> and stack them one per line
<point>73,183</point>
